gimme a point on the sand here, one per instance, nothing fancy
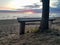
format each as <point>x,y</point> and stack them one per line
<point>9,34</point>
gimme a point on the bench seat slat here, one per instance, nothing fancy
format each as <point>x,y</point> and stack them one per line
<point>32,19</point>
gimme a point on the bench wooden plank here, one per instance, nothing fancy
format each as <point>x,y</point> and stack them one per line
<point>32,19</point>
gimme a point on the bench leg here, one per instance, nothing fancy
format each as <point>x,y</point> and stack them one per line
<point>51,24</point>
<point>22,28</point>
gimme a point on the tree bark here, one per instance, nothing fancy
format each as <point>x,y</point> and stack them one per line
<point>45,16</point>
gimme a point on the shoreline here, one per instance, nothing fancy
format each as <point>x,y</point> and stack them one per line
<point>22,17</point>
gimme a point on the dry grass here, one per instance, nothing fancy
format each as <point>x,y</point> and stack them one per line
<point>9,35</point>
<point>32,39</point>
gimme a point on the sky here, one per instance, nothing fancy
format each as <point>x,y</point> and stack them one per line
<point>19,4</point>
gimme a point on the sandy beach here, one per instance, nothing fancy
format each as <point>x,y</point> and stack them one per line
<point>9,34</point>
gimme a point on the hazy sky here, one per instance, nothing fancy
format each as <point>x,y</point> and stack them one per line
<point>19,3</point>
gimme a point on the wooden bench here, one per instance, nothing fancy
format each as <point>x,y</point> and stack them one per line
<point>22,22</point>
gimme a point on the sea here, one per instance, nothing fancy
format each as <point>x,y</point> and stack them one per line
<point>5,16</point>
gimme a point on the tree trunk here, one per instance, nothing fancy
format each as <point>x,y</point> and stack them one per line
<point>45,16</point>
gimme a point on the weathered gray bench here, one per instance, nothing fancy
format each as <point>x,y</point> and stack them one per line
<point>22,22</point>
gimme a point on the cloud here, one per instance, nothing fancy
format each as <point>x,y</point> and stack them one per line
<point>20,3</point>
<point>35,5</point>
<point>4,2</point>
<point>54,3</point>
<point>58,5</point>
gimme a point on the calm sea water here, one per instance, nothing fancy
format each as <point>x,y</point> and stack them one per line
<point>4,16</point>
